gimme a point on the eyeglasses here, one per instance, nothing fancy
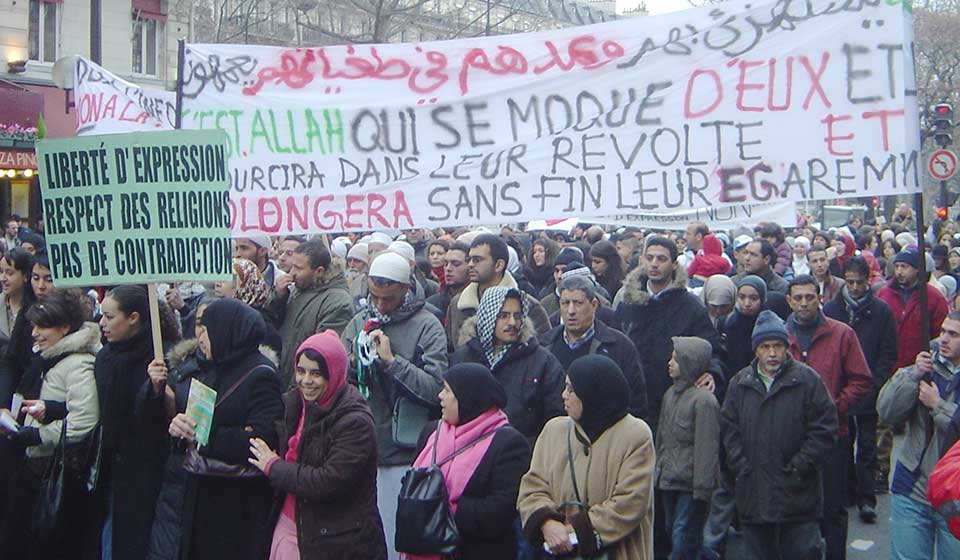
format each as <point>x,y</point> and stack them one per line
<point>503,315</point>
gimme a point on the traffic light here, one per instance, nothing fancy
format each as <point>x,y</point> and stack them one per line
<point>943,124</point>
<point>943,213</point>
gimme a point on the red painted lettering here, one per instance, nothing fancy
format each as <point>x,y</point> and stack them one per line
<point>883,116</point>
<point>831,137</point>
<point>815,77</point>
<point>743,86</point>
<point>688,112</point>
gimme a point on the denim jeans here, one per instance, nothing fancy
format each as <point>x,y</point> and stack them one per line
<point>684,519</point>
<point>915,528</point>
<point>783,541</point>
<point>388,491</point>
<point>723,510</point>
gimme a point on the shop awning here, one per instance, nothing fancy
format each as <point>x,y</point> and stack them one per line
<point>17,159</point>
<point>149,9</point>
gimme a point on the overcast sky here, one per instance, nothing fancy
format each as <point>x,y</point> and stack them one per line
<point>655,6</point>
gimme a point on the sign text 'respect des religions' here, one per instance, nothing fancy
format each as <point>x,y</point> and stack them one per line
<point>136,208</point>
<point>738,103</point>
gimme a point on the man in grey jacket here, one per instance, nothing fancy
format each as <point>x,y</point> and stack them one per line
<point>318,300</point>
<point>398,351</point>
<point>925,396</point>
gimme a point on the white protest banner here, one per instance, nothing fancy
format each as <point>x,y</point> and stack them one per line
<point>737,103</point>
<point>108,104</point>
<point>718,218</point>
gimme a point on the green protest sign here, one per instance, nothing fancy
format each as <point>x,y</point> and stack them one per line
<point>136,208</point>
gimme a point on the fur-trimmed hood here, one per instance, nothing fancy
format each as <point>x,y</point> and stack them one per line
<point>184,350</point>
<point>635,284</point>
<point>469,331</point>
<point>85,340</point>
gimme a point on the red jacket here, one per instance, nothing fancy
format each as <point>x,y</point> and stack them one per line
<point>835,354</point>
<point>907,317</point>
<point>943,489</point>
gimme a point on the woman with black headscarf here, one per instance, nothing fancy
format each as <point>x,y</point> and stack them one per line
<point>590,483</point>
<point>736,329</point>
<point>226,517</point>
<point>484,477</point>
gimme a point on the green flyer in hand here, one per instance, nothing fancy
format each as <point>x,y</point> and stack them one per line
<point>200,406</point>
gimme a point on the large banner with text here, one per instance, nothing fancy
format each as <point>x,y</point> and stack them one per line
<point>136,208</point>
<point>105,103</point>
<point>738,103</point>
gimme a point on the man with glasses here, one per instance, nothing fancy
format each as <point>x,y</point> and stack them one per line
<point>831,348</point>
<point>501,337</point>
<point>487,267</point>
<point>876,330</point>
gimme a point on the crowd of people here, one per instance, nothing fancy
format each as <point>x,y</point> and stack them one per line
<point>603,392</point>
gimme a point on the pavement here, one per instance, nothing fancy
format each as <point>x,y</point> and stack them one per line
<point>872,542</point>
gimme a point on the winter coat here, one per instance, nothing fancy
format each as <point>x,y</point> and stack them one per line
<point>615,478</point>
<point>185,363</point>
<point>68,377</point>
<point>531,376</point>
<point>736,340</point>
<point>688,440</point>
<point>709,260</point>
<point>227,517</point>
<point>615,345</point>
<point>836,356</point>
<point>487,508</point>
<point>420,348</point>
<point>877,332</point>
<point>775,442</point>
<point>135,442</point>
<point>464,306</point>
<point>907,315</point>
<point>334,479</point>
<point>327,305</point>
<point>651,322</point>
<point>784,258</point>
<point>898,403</point>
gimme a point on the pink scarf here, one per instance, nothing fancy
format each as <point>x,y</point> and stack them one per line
<point>291,456</point>
<point>458,471</point>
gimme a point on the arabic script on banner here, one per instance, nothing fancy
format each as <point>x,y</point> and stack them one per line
<point>738,103</point>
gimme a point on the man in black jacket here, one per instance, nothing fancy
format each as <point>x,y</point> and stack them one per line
<point>876,329</point>
<point>656,307</point>
<point>778,425</point>
<point>501,337</point>
<point>582,334</point>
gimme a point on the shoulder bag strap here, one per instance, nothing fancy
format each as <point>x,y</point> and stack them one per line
<point>465,447</point>
<point>237,383</point>
<point>573,475</point>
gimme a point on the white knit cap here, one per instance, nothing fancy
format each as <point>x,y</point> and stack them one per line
<point>742,241</point>
<point>338,248</point>
<point>403,249</point>
<point>390,266</point>
<point>261,240</point>
<point>380,237</point>
<point>802,241</point>
<point>359,252</point>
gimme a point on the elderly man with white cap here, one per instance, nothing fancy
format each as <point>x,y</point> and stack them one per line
<point>398,351</point>
<point>256,248</point>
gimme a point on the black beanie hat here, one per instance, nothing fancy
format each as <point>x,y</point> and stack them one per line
<point>476,389</point>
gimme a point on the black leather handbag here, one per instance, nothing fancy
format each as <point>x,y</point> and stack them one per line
<point>424,523</point>
<point>48,512</point>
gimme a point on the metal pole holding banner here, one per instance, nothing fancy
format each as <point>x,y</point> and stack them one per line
<point>922,267</point>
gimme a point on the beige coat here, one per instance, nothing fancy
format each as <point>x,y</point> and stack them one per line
<point>71,381</point>
<point>615,481</point>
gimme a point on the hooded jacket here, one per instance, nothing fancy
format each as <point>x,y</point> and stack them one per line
<point>651,321</point>
<point>784,258</point>
<point>68,377</point>
<point>420,347</point>
<point>334,479</point>
<point>907,316</point>
<point>710,260</point>
<point>327,305</point>
<point>836,356</point>
<point>464,305</point>
<point>877,332</point>
<point>531,376</point>
<point>688,434</point>
<point>775,442</point>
